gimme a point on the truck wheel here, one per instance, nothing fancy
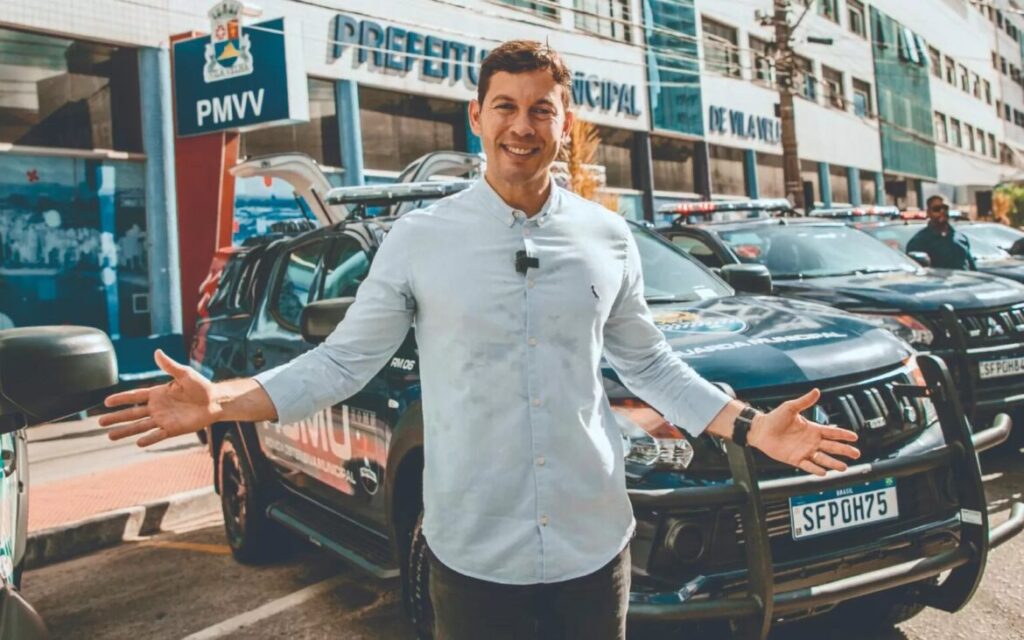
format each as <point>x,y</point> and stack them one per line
<point>253,537</point>
<point>416,585</point>
<point>882,610</point>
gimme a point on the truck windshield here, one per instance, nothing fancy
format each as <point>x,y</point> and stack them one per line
<point>672,276</point>
<point>994,239</point>
<point>814,251</point>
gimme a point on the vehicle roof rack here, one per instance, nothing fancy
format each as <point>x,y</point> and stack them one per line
<point>874,212</point>
<point>387,194</point>
<point>727,210</point>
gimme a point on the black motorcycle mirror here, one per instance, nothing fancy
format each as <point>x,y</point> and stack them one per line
<point>921,258</point>
<point>47,373</point>
<point>319,318</point>
<point>748,278</point>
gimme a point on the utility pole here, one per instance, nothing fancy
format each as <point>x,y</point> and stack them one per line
<point>785,75</point>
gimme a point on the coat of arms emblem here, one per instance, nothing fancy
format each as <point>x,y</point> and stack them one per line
<point>227,53</point>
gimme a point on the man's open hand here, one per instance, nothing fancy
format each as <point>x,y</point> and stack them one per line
<point>787,436</point>
<point>184,405</point>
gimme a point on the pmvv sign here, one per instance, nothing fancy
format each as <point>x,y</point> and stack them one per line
<point>723,120</point>
<point>239,77</point>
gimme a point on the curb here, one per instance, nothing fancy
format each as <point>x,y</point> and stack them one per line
<point>113,527</point>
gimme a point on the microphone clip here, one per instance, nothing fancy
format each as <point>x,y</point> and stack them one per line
<point>525,261</point>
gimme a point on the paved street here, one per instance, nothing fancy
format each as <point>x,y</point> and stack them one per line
<point>186,585</point>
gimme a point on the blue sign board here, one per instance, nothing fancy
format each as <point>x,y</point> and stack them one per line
<point>747,126</point>
<point>239,77</point>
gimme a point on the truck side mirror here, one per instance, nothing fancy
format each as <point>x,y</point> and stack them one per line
<point>1017,248</point>
<point>748,278</point>
<point>47,373</point>
<point>921,258</point>
<point>319,318</point>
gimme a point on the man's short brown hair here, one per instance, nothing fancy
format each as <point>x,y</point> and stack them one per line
<point>523,56</point>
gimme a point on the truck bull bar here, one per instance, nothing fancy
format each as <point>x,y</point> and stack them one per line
<point>752,614</point>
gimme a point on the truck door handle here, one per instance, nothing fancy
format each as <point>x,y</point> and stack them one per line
<point>258,360</point>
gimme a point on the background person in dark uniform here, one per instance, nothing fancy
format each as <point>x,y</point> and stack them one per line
<point>947,248</point>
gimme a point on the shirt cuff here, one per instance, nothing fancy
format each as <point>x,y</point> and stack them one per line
<point>705,409</point>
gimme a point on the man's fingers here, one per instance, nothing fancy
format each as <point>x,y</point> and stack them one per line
<point>132,429</point>
<point>152,437</point>
<point>804,402</point>
<point>135,396</point>
<point>124,415</point>
<point>840,449</point>
<point>169,366</point>
<point>810,467</point>
<point>835,433</point>
<point>824,460</point>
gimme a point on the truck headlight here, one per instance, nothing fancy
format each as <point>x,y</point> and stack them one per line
<point>650,440</point>
<point>905,326</point>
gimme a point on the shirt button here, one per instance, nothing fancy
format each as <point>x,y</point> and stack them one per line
<point>536,402</point>
<point>543,521</point>
<point>532,342</point>
<point>530,284</point>
<point>540,461</point>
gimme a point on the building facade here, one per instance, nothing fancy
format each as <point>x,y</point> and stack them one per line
<point>891,107</point>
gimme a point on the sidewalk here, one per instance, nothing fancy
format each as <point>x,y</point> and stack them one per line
<point>86,492</point>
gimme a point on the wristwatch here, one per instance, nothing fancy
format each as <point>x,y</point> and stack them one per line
<point>741,426</point>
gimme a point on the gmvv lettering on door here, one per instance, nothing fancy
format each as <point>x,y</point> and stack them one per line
<point>230,108</point>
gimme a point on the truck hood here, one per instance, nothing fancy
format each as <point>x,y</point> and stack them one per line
<point>1012,268</point>
<point>750,342</point>
<point>922,291</point>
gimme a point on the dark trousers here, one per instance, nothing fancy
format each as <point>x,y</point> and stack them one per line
<point>592,607</point>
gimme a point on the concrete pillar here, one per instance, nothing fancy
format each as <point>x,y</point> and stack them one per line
<point>750,172</point>
<point>824,184</point>
<point>643,171</point>
<point>702,170</point>
<point>853,178</point>
<point>161,199</point>
<point>346,100</point>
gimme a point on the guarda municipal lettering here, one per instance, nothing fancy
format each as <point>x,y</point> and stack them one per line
<point>230,108</point>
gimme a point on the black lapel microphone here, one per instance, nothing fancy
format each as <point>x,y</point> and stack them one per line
<point>525,261</point>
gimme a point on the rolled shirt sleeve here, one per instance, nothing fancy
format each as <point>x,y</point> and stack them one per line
<point>373,329</point>
<point>638,352</point>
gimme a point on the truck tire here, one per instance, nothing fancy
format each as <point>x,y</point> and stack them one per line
<point>882,610</point>
<point>253,538</point>
<point>416,586</point>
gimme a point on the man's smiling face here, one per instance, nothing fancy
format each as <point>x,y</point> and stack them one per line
<point>522,122</point>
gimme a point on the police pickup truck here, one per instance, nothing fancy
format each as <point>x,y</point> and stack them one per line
<point>973,321</point>
<point>723,534</point>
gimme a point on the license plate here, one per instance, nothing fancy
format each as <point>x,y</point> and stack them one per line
<point>845,508</point>
<point>1001,368</point>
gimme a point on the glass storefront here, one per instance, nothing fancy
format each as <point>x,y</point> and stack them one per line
<point>771,180</point>
<point>73,236</point>
<point>672,163</point>
<point>398,128</point>
<point>867,187</point>
<point>727,176</point>
<point>839,181</point>
<point>809,174</point>
<point>615,154</point>
<point>317,138</point>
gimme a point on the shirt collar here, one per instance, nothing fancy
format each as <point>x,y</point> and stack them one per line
<point>509,215</point>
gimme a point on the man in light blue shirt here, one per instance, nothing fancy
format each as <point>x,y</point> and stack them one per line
<point>516,289</point>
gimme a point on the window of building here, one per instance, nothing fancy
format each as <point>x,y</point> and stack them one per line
<point>609,18</point>
<point>726,164</point>
<point>805,76</point>
<point>1014,73</point>
<point>833,81</point>
<point>1002,65</point>
<point>543,8</point>
<point>764,63</point>
<point>862,99</point>
<point>950,70</point>
<point>721,49</point>
<point>397,128</point>
<point>1018,118</point>
<point>317,138</point>
<point>999,108</point>
<point>992,149</point>
<point>954,133</point>
<point>935,60</point>
<point>672,164</point>
<point>1006,112</point>
<point>965,79</point>
<point>995,61</point>
<point>771,182</point>
<point>981,141</point>
<point>59,92</point>
<point>855,14</point>
<point>615,154</point>
<point>941,132</point>
<point>988,91</point>
<point>976,85</point>
<point>829,9</point>
<point>969,136</point>
<point>999,18</point>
